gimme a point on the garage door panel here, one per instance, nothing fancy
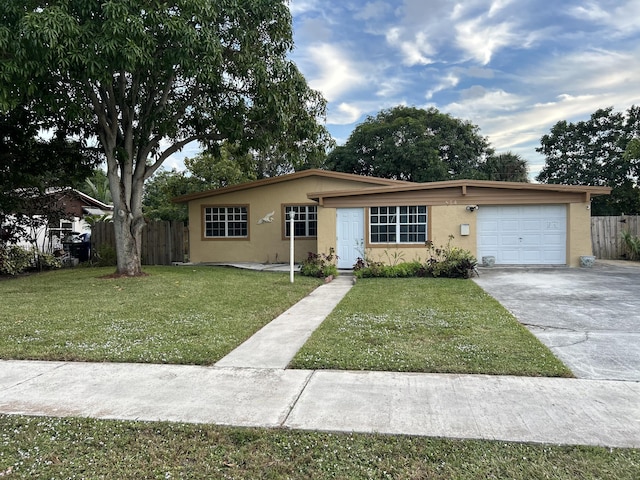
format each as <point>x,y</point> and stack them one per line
<point>523,234</point>
<point>509,241</point>
<point>528,225</point>
<point>508,256</point>
<point>554,238</point>
<point>508,225</point>
<point>532,256</point>
<point>530,240</point>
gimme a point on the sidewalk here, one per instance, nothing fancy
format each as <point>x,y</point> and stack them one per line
<point>233,392</point>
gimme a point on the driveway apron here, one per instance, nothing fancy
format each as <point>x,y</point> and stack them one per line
<point>588,317</point>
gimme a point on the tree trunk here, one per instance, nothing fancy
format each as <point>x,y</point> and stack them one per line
<point>128,223</point>
<point>128,241</point>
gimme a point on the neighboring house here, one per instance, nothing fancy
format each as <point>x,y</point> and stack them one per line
<point>76,206</point>
<point>517,223</point>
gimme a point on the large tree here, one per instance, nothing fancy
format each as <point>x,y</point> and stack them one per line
<point>148,77</point>
<point>202,172</point>
<point>408,143</point>
<point>592,152</point>
<point>505,167</point>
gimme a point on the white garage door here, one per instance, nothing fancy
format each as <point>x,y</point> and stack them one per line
<point>523,235</point>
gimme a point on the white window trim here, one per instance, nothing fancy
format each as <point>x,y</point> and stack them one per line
<point>228,209</point>
<point>307,221</point>
<point>398,225</point>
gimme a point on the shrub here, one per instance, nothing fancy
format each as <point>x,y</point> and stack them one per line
<point>377,269</point>
<point>105,256</point>
<point>445,261</point>
<point>47,261</point>
<point>15,260</point>
<point>448,261</point>
<point>631,244</point>
<point>319,265</point>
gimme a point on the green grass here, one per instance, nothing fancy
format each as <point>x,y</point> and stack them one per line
<point>185,315</point>
<point>46,448</point>
<point>425,325</point>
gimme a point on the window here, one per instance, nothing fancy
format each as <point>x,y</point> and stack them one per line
<point>225,222</point>
<point>398,224</point>
<point>306,222</point>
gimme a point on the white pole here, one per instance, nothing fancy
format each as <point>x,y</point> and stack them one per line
<point>292,216</point>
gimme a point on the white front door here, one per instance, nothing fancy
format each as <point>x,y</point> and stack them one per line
<point>350,235</point>
<point>521,235</point>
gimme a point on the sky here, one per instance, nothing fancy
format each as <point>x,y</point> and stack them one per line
<point>512,67</point>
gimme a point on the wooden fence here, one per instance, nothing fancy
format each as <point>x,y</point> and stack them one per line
<point>606,235</point>
<point>162,242</point>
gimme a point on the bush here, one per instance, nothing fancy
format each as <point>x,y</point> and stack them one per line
<point>47,261</point>
<point>445,261</point>
<point>631,244</point>
<point>319,265</point>
<point>105,256</point>
<point>15,260</point>
<point>377,269</point>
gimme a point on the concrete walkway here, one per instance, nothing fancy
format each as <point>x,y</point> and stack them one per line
<point>236,392</point>
<point>275,345</point>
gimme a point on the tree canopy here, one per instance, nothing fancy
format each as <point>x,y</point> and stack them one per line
<point>29,168</point>
<point>408,143</point>
<point>600,151</point>
<point>202,172</point>
<point>505,167</point>
<point>146,78</point>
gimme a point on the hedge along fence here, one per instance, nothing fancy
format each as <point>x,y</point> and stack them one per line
<point>162,242</point>
<point>606,235</point>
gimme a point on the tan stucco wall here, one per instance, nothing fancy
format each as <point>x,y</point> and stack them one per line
<point>443,221</point>
<point>265,242</point>
<point>446,220</point>
<point>447,212</point>
<point>578,232</point>
<point>327,229</point>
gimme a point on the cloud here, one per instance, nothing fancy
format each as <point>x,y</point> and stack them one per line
<point>623,19</point>
<point>344,114</point>
<point>481,39</point>
<point>372,10</point>
<point>334,74</point>
<point>415,51</point>
<point>298,7</point>
<point>449,81</point>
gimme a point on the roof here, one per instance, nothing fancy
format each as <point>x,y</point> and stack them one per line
<point>87,199</point>
<point>375,181</point>
<point>463,185</point>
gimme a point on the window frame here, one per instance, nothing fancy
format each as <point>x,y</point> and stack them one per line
<point>307,221</point>
<point>395,235</point>
<point>226,237</point>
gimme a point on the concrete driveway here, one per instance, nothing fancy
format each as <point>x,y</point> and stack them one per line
<point>589,318</point>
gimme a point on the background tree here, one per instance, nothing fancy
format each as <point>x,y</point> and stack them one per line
<point>408,143</point>
<point>30,167</point>
<point>158,192</point>
<point>505,167</point>
<point>592,152</point>
<point>203,172</point>
<point>97,186</point>
<point>148,78</point>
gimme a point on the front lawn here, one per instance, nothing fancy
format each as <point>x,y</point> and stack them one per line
<point>425,325</point>
<point>44,448</point>
<point>189,315</point>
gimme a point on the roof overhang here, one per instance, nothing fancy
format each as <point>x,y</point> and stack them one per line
<point>373,181</point>
<point>463,186</point>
